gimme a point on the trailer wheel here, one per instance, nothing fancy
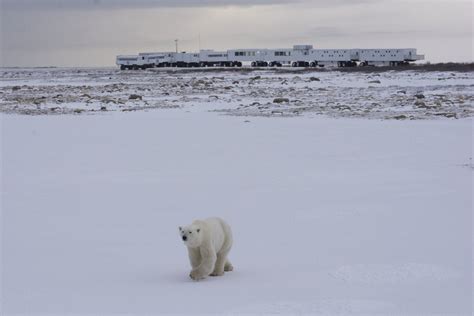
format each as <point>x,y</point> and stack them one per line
<point>294,64</point>
<point>253,64</point>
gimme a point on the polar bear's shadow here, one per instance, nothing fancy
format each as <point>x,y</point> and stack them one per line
<point>155,277</point>
<point>171,277</point>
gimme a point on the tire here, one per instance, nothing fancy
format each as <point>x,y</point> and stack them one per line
<point>253,64</point>
<point>294,64</point>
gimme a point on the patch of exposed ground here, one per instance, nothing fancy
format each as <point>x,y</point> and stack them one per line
<point>386,95</point>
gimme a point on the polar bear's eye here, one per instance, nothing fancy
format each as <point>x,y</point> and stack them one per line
<point>190,232</point>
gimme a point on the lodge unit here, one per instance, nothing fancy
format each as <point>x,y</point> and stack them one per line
<point>298,56</point>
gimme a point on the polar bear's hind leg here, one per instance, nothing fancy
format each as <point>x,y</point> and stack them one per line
<point>228,266</point>
<point>220,263</point>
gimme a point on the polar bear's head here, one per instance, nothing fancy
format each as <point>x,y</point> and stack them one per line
<point>191,235</point>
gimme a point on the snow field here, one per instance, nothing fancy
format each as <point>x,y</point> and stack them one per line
<point>330,216</point>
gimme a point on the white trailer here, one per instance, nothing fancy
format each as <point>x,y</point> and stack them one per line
<point>333,58</point>
<point>131,62</point>
<point>388,56</point>
<point>184,59</point>
<point>256,57</point>
<point>279,57</point>
<point>211,58</point>
<point>151,60</point>
<point>158,59</point>
<point>301,55</point>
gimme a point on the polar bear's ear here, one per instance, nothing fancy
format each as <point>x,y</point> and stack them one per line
<point>180,228</point>
<point>198,230</point>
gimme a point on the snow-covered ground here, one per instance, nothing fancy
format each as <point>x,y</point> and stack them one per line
<point>330,215</point>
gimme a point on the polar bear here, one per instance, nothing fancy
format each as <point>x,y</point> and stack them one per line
<point>208,241</point>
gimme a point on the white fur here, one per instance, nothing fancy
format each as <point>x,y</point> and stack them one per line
<point>208,241</point>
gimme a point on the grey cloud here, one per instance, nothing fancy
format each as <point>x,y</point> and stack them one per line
<point>335,32</point>
<point>118,4</point>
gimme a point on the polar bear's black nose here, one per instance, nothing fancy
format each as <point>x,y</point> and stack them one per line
<point>184,238</point>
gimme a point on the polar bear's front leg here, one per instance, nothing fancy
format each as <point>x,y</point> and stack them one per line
<point>194,257</point>
<point>208,261</point>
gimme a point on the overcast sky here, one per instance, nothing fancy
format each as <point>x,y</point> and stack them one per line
<point>92,32</point>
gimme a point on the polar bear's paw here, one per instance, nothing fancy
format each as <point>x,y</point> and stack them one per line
<point>228,267</point>
<point>217,273</point>
<point>196,275</point>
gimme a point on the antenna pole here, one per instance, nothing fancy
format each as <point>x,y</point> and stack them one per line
<point>176,42</point>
